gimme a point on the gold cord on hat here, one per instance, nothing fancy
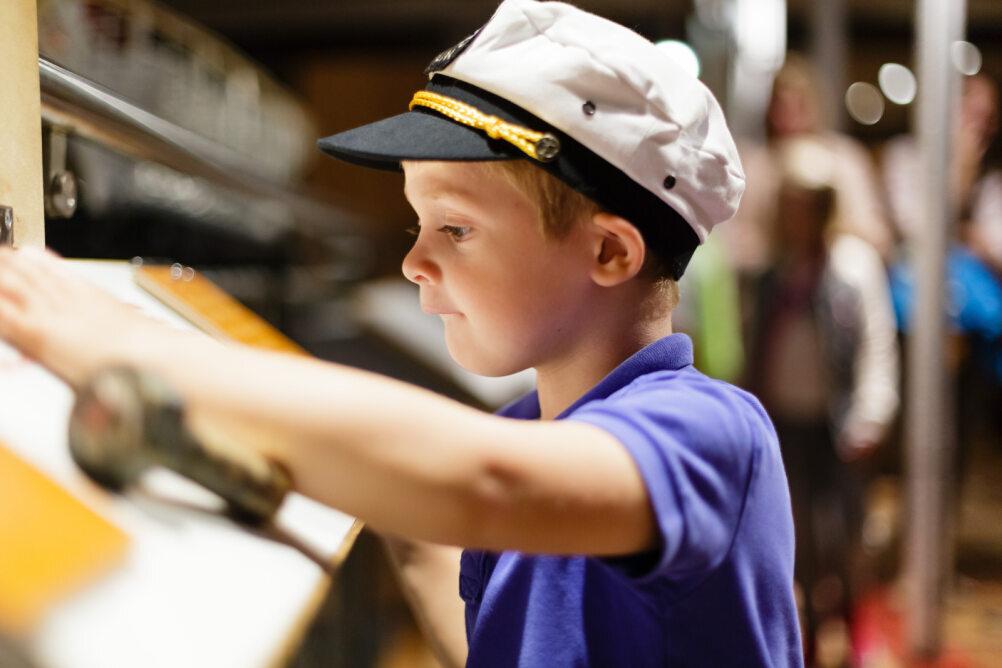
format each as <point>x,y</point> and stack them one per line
<point>542,146</point>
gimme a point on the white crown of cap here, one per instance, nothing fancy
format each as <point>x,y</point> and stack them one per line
<point>652,119</point>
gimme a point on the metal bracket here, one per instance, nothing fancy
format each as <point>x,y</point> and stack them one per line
<point>60,183</point>
<point>6,226</point>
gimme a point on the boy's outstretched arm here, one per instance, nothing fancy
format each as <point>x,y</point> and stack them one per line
<point>405,460</point>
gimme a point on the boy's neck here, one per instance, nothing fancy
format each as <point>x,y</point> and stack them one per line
<point>561,382</point>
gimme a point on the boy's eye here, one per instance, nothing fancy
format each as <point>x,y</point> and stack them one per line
<point>413,230</point>
<point>456,232</point>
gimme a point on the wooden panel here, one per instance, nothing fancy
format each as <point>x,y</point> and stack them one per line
<point>205,305</point>
<point>52,543</point>
<point>21,121</point>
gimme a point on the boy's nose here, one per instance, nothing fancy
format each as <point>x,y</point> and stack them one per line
<point>418,267</point>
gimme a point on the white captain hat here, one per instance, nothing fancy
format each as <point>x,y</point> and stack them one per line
<point>588,100</point>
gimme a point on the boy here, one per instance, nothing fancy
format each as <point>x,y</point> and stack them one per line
<point>630,511</point>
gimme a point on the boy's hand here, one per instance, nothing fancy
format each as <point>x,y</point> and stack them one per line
<point>61,320</point>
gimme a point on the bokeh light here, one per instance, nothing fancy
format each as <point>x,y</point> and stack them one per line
<point>966,57</point>
<point>864,102</point>
<point>897,83</point>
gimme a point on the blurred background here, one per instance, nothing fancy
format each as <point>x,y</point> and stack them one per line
<point>809,297</point>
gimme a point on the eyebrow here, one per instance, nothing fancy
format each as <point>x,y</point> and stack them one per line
<point>442,189</point>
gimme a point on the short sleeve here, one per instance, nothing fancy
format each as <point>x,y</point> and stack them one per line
<point>696,448</point>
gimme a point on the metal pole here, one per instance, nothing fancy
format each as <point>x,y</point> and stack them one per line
<point>829,38</point>
<point>753,36</point>
<point>20,123</point>
<point>929,429</point>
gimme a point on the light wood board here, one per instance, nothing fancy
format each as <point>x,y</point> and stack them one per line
<point>21,121</point>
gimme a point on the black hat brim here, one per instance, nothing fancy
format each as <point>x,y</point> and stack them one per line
<point>423,134</point>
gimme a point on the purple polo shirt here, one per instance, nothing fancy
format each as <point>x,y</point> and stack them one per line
<point>719,589</point>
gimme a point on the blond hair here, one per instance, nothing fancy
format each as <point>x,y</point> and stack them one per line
<point>559,207</point>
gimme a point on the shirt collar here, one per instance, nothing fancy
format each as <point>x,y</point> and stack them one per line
<point>671,353</point>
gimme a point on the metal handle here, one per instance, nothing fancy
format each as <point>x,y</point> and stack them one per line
<point>6,226</point>
<point>125,421</point>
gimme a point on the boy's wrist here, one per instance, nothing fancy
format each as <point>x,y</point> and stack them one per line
<point>138,343</point>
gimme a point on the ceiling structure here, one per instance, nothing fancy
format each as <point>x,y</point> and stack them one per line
<point>413,21</point>
<point>282,33</point>
<point>255,21</point>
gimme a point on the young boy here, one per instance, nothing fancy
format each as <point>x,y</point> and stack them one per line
<point>631,511</point>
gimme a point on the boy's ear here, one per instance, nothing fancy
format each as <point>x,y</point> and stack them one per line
<point>618,250</point>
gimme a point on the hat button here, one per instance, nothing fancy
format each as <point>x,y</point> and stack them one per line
<point>669,182</point>
<point>588,108</point>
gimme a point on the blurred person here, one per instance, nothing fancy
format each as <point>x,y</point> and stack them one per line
<point>824,360</point>
<point>974,261</point>
<point>976,189</point>
<point>795,111</point>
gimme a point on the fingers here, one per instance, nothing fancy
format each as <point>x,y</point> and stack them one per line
<point>35,272</point>
<point>40,254</point>
<point>14,286</point>
<point>19,281</point>
<point>16,267</point>
<point>14,329</point>
<point>15,293</point>
<point>28,286</point>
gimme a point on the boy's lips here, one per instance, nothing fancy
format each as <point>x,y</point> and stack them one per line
<point>438,310</point>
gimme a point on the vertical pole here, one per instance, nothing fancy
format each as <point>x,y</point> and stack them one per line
<point>930,429</point>
<point>21,122</point>
<point>829,39</point>
<point>759,32</point>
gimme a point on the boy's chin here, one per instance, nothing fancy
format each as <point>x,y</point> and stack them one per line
<point>483,363</point>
